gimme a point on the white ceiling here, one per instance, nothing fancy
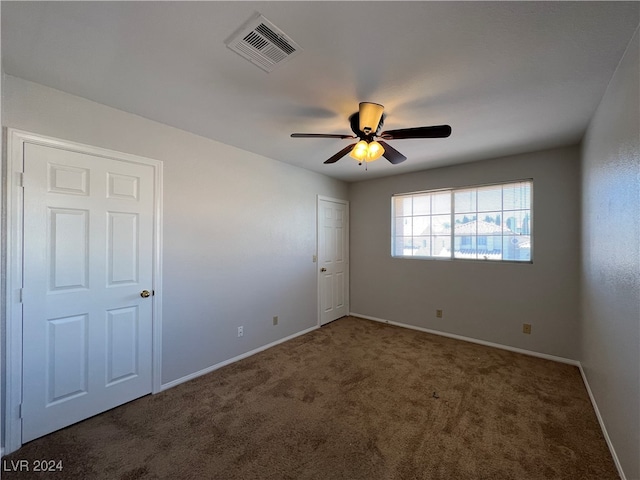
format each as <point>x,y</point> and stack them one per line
<point>509,77</point>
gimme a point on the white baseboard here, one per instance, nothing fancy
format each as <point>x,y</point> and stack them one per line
<point>204,371</point>
<point>602,426</point>
<point>473,340</point>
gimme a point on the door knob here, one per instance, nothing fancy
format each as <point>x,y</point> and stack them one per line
<point>323,269</point>
<point>145,293</point>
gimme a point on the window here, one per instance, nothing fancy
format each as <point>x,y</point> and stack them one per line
<point>422,224</point>
<point>491,222</point>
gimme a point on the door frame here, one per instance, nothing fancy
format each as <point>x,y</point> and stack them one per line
<point>320,198</point>
<point>13,311</point>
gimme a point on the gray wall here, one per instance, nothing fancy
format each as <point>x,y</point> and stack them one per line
<point>239,229</point>
<point>611,260</point>
<point>481,300</point>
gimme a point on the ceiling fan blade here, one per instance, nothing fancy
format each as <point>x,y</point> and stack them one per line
<point>437,131</point>
<point>391,154</point>
<point>320,135</point>
<point>340,154</point>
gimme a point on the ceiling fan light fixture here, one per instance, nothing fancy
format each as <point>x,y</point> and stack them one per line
<point>360,151</point>
<point>366,152</point>
<point>375,151</point>
<point>370,115</point>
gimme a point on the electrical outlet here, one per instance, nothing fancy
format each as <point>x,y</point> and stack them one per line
<point>438,313</point>
<point>240,331</point>
<point>526,328</point>
<point>275,320</point>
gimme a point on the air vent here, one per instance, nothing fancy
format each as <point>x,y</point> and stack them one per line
<point>262,43</point>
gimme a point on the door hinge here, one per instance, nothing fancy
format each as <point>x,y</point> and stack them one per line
<point>20,179</point>
<point>20,295</point>
<point>20,411</point>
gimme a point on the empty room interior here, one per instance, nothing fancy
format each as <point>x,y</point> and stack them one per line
<point>320,240</point>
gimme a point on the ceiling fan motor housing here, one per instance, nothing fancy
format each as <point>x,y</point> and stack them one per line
<point>354,120</point>
<point>370,117</point>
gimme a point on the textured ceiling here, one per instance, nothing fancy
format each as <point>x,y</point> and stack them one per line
<point>509,77</point>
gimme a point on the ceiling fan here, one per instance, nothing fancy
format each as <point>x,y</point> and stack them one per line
<point>365,124</point>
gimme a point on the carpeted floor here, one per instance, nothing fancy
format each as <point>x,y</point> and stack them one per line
<point>353,400</point>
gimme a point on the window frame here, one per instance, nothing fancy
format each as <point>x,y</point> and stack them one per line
<point>452,213</point>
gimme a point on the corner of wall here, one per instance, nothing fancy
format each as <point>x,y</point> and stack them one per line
<point>609,349</point>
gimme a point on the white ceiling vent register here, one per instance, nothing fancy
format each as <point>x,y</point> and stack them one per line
<point>262,43</point>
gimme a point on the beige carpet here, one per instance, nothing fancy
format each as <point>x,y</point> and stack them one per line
<point>353,400</point>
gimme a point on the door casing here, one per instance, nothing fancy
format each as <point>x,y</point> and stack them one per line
<point>16,140</point>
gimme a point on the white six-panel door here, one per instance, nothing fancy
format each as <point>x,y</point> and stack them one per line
<point>88,255</point>
<point>333,259</point>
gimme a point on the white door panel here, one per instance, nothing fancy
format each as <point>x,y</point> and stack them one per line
<point>87,336</point>
<point>333,259</point>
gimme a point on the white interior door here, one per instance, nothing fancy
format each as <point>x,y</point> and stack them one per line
<point>88,255</point>
<point>333,259</point>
